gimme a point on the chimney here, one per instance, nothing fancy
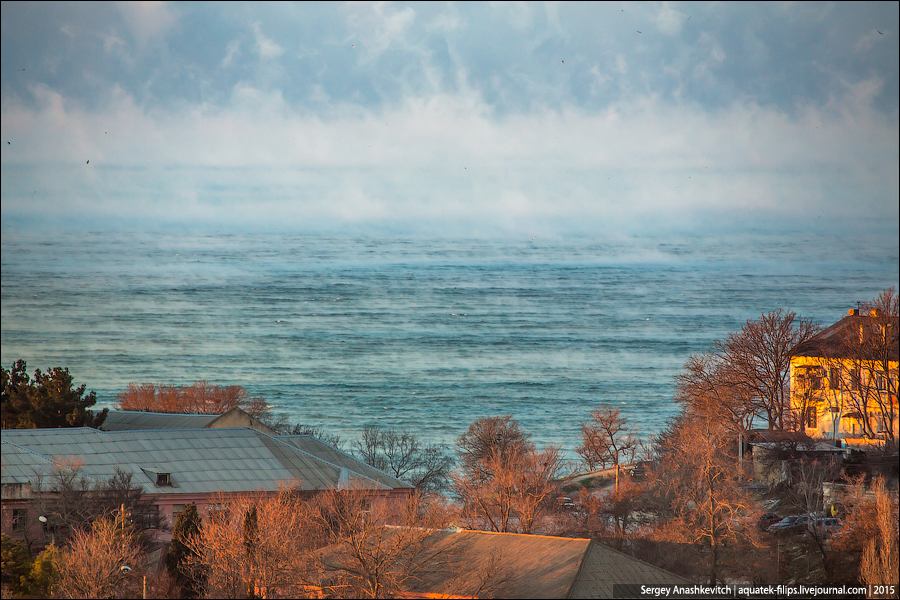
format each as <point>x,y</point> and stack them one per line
<point>854,312</point>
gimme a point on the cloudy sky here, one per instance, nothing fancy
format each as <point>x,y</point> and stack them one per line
<point>471,118</point>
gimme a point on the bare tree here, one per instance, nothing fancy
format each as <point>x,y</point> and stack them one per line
<point>98,563</point>
<point>758,359</point>
<point>503,495</point>
<point>372,549</point>
<point>239,555</point>
<point>699,492</point>
<point>708,387</point>
<point>406,457</point>
<point>488,437</point>
<point>606,439</point>
<point>199,398</point>
<point>71,500</point>
<point>880,563</point>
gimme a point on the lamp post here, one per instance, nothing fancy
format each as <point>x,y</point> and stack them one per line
<point>43,520</point>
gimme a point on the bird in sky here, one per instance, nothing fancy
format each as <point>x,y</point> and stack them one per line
<point>875,30</point>
<point>88,162</point>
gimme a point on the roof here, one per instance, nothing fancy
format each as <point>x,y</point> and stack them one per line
<point>199,461</point>
<point>135,420</point>
<point>832,341</point>
<point>533,566</point>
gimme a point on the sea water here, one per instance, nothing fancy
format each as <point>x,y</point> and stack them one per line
<point>427,335</point>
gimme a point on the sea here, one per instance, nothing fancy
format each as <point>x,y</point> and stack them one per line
<point>414,333</point>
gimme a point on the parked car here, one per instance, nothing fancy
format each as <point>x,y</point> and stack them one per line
<point>639,470</point>
<point>766,520</point>
<point>791,524</point>
<point>826,526</point>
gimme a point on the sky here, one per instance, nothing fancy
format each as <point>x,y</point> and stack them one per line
<point>488,119</point>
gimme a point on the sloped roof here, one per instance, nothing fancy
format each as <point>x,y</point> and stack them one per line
<point>832,341</point>
<point>323,451</point>
<point>200,461</point>
<point>134,420</point>
<point>532,566</point>
<point>604,567</point>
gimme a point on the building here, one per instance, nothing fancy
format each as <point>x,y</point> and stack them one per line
<point>174,467</point>
<point>462,563</point>
<point>138,420</point>
<point>844,381</point>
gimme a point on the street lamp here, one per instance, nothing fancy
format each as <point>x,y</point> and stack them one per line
<point>43,520</point>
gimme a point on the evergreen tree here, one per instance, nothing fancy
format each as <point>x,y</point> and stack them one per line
<point>178,560</point>
<point>16,566</point>
<point>47,401</point>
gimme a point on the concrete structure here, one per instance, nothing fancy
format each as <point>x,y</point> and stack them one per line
<point>844,381</point>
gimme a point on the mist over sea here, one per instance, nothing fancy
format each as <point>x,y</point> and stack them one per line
<point>416,333</point>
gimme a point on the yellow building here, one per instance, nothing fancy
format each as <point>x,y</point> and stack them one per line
<point>844,381</point>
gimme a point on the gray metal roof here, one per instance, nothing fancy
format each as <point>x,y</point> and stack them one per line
<point>321,450</point>
<point>133,420</point>
<point>200,461</point>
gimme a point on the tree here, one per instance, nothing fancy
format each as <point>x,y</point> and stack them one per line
<point>16,566</point>
<point>282,426</point>
<point>199,398</point>
<point>506,493</point>
<point>880,563</point>
<point>47,401</point>
<point>707,387</point>
<point>699,493</point>
<point>97,563</point>
<point>371,549</point>
<point>187,537</point>
<point>403,455</point>
<point>758,360</point>
<point>606,439</point>
<point>488,437</point>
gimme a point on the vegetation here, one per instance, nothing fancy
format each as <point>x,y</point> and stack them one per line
<point>606,439</point>
<point>49,400</point>
<point>504,484</point>
<point>405,456</point>
<point>199,398</point>
<point>182,557</point>
<point>691,503</point>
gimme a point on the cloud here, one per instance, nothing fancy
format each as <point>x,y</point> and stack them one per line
<point>147,20</point>
<point>265,47</point>
<point>449,117</point>
<point>445,159</point>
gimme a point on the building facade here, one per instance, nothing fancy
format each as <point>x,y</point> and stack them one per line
<point>844,381</point>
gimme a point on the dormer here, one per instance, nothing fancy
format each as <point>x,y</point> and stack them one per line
<point>160,477</point>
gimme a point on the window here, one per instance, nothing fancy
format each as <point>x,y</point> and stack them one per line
<point>163,479</point>
<point>880,382</point>
<point>19,520</point>
<point>834,378</point>
<point>854,379</point>
<point>811,416</point>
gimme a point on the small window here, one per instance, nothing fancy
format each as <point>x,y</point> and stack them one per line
<point>163,479</point>
<point>834,378</point>
<point>880,383</point>
<point>811,416</point>
<point>854,379</point>
<point>19,519</point>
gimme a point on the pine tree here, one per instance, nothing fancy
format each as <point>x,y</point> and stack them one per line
<point>178,563</point>
<point>49,400</point>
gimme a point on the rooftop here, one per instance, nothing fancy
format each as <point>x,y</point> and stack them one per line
<point>198,461</point>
